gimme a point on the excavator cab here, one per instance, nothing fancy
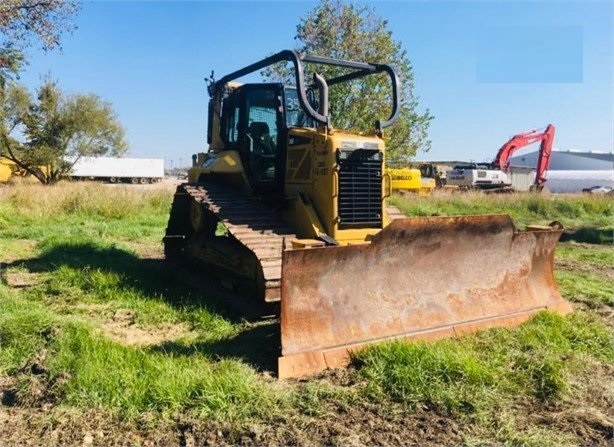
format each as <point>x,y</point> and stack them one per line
<point>308,227</point>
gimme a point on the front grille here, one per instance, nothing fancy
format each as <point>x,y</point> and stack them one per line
<point>360,188</point>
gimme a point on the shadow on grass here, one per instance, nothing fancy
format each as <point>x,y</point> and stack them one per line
<point>257,345</point>
<point>589,235</point>
<point>151,277</point>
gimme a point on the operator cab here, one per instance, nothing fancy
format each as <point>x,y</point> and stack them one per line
<point>255,121</point>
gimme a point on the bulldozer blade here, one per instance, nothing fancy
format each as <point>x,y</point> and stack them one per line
<point>419,278</point>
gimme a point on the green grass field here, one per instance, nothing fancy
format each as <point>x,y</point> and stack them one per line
<point>98,339</point>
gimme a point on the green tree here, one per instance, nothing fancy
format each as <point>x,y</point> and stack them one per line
<point>23,22</point>
<point>47,135</point>
<point>347,31</point>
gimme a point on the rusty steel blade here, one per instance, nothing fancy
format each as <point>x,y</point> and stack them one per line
<point>418,278</point>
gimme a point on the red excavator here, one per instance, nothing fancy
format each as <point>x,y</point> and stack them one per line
<point>502,160</point>
<point>493,176</point>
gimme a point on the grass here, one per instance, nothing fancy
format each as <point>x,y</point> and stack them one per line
<point>23,329</point>
<point>488,368</point>
<point>132,381</point>
<point>593,255</point>
<point>82,209</point>
<point>83,199</point>
<point>88,370</point>
<point>573,212</point>
<point>493,378</point>
<point>77,252</point>
<point>586,287</point>
<point>586,273</point>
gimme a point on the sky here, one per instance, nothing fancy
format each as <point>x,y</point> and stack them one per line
<point>485,70</point>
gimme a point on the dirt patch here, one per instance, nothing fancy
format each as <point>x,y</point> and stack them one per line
<point>121,327</point>
<point>356,426</point>
<point>8,391</point>
<point>588,414</point>
<point>584,418</point>
<point>595,269</point>
<point>52,427</point>
<point>23,246</point>
<point>147,251</point>
<point>607,313</point>
<point>19,279</point>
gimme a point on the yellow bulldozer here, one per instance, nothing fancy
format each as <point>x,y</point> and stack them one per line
<point>285,208</point>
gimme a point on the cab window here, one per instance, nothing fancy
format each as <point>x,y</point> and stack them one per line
<point>262,133</point>
<point>295,115</point>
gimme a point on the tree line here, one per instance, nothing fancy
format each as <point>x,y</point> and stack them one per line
<point>45,132</point>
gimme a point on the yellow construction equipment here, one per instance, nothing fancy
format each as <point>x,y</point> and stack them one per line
<point>305,219</point>
<point>411,180</point>
<point>9,171</point>
<point>6,169</point>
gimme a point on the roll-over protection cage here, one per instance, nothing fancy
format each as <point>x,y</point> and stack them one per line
<point>360,69</point>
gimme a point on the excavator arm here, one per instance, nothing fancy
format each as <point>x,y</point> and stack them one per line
<point>521,140</point>
<point>543,160</point>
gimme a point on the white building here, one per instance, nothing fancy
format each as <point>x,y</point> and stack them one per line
<point>569,171</point>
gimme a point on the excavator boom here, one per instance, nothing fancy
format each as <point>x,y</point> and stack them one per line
<point>546,138</point>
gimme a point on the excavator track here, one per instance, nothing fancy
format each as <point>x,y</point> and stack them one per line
<point>250,224</point>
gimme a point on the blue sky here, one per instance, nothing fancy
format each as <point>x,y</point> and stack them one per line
<point>486,70</point>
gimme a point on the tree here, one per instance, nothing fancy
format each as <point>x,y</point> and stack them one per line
<point>46,136</point>
<point>355,32</point>
<point>24,21</point>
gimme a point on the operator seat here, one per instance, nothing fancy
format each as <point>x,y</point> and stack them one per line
<point>260,135</point>
<point>262,152</point>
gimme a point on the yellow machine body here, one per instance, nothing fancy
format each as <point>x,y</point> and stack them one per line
<point>311,182</point>
<point>406,178</point>
<point>9,172</point>
<point>6,169</point>
<point>312,186</point>
<point>411,180</point>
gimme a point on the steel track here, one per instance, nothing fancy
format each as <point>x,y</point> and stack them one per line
<point>252,223</point>
<point>255,225</point>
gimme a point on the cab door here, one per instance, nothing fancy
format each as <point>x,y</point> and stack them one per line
<point>261,142</point>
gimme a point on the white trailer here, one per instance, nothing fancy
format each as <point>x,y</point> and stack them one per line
<point>119,170</point>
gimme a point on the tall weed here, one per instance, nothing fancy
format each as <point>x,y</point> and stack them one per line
<point>85,199</point>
